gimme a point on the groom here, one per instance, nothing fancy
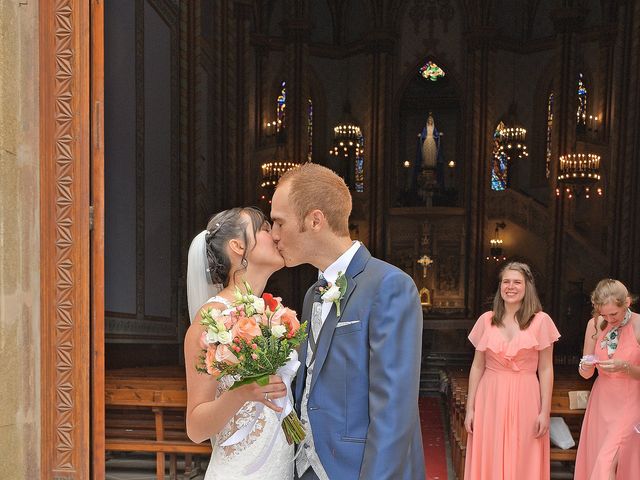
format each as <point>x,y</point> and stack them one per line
<point>357,388</point>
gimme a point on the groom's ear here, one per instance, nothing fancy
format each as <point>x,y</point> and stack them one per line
<point>316,219</point>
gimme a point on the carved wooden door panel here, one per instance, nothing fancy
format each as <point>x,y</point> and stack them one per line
<point>68,139</point>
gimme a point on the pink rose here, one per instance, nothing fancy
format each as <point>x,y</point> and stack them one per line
<point>228,321</point>
<point>224,354</point>
<point>261,319</point>
<point>288,318</point>
<point>209,359</point>
<point>247,328</point>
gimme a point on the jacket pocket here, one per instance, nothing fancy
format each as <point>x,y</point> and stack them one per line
<point>349,328</point>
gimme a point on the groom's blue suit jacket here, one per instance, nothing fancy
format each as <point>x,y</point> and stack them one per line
<point>363,398</point>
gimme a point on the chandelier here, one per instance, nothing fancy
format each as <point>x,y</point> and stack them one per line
<point>495,244</point>
<point>348,145</point>
<point>514,136</point>
<point>577,175</point>
<point>273,170</point>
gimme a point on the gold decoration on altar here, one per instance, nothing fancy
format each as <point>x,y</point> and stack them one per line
<point>425,261</point>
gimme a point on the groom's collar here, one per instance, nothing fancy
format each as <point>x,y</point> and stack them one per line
<point>341,264</point>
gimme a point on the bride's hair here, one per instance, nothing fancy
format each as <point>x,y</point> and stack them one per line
<point>221,229</point>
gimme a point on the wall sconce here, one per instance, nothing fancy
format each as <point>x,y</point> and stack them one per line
<point>496,252</point>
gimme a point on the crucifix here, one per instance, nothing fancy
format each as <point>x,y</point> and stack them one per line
<point>425,261</point>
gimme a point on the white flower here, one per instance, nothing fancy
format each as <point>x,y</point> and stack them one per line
<point>224,337</point>
<point>258,304</point>
<point>212,337</point>
<point>332,294</point>
<point>278,330</point>
<point>220,326</point>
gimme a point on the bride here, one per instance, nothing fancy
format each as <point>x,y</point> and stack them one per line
<point>236,246</point>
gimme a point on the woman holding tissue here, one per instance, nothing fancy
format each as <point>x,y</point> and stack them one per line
<point>609,446</point>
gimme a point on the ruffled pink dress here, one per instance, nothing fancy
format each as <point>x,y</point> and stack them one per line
<point>611,418</point>
<point>503,445</point>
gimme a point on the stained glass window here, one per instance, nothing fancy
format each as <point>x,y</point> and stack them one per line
<point>281,108</point>
<point>310,129</point>
<point>549,130</point>
<point>581,113</point>
<point>359,166</point>
<point>431,71</point>
<point>499,163</point>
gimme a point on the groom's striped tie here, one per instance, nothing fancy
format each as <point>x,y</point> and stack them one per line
<point>316,320</point>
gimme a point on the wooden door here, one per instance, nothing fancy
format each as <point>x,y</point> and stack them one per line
<point>97,242</point>
<point>65,152</point>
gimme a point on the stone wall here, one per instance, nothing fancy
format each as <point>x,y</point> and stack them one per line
<point>19,241</point>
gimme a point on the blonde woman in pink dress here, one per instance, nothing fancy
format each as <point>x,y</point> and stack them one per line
<point>510,384</point>
<point>609,446</point>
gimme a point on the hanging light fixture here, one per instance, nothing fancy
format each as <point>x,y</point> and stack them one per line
<point>348,145</point>
<point>496,251</point>
<point>273,170</point>
<point>514,136</point>
<point>577,175</point>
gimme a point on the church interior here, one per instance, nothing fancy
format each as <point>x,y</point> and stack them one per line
<point>470,133</point>
<point>458,126</point>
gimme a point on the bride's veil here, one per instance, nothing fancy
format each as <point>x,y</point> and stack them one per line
<point>200,287</point>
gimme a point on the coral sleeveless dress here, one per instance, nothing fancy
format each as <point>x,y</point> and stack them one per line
<point>612,417</point>
<point>503,445</point>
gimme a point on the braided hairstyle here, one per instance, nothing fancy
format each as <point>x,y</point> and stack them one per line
<point>221,229</point>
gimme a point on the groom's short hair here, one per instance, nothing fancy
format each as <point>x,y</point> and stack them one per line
<point>316,187</point>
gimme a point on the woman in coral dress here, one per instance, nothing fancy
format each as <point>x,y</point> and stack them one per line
<point>510,384</point>
<point>610,440</point>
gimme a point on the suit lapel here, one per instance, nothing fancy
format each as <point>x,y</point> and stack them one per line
<point>302,370</point>
<point>356,266</point>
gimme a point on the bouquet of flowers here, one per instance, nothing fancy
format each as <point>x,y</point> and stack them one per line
<point>253,340</point>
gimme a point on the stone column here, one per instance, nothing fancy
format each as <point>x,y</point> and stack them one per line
<point>567,22</point>
<point>296,31</point>
<point>19,242</point>
<point>625,238</point>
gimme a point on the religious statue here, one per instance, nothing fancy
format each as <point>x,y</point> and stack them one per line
<point>428,176</point>
<point>428,144</point>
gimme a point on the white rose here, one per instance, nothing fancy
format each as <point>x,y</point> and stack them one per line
<point>278,330</point>
<point>332,294</point>
<point>212,336</point>
<point>258,304</point>
<point>225,337</point>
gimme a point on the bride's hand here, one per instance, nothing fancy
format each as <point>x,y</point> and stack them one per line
<point>253,392</point>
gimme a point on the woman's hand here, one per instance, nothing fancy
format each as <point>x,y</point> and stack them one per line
<point>253,392</point>
<point>542,425</point>
<point>468,421</point>
<point>613,366</point>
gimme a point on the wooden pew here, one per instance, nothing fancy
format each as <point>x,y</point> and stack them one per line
<point>566,380</point>
<point>146,413</point>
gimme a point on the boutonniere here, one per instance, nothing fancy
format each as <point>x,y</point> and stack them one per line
<point>335,292</point>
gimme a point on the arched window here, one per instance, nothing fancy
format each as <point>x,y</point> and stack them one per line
<point>549,131</point>
<point>281,108</point>
<point>359,165</point>
<point>581,113</point>
<point>499,163</point>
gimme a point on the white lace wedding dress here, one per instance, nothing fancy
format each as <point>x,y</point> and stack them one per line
<point>231,462</point>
